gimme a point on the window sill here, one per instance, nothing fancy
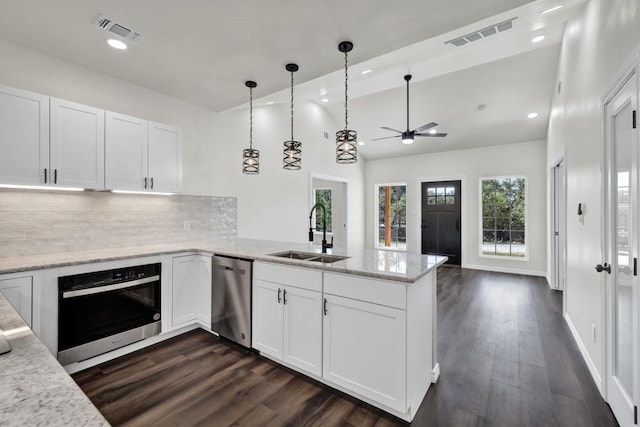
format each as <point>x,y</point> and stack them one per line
<point>505,257</point>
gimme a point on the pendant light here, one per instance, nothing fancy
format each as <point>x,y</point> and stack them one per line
<point>346,144</point>
<point>250,157</point>
<point>292,149</point>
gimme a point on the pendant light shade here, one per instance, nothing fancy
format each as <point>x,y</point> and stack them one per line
<point>292,149</point>
<point>346,139</point>
<point>250,156</point>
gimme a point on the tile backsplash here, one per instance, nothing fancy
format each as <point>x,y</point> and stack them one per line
<point>44,222</point>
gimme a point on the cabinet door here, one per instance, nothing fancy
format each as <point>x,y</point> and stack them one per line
<point>24,137</point>
<point>203,290</point>
<point>125,152</point>
<point>303,329</point>
<point>365,350</point>
<point>267,318</point>
<point>18,292</point>
<point>165,158</point>
<point>77,145</point>
<point>184,297</point>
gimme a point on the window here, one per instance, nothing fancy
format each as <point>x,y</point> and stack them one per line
<point>391,219</point>
<point>503,217</point>
<point>323,195</point>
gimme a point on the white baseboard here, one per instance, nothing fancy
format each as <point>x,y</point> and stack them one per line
<point>585,354</point>
<point>506,270</point>
<point>435,373</point>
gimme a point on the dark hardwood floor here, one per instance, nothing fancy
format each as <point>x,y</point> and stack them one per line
<point>506,356</point>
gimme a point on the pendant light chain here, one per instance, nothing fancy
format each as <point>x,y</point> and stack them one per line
<point>346,87</point>
<point>250,118</point>
<point>292,105</point>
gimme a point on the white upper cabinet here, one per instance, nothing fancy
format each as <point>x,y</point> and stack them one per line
<point>24,137</point>
<point>126,152</point>
<point>142,155</point>
<point>76,145</point>
<point>165,158</point>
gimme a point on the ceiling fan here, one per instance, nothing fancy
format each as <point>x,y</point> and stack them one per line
<point>408,135</point>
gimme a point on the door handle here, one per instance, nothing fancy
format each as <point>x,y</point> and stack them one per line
<point>279,299</point>
<point>284,297</point>
<point>606,267</point>
<point>325,307</point>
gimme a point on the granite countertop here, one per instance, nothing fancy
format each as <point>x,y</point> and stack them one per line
<point>381,264</point>
<point>35,389</point>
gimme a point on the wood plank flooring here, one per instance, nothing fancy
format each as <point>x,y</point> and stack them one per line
<point>506,356</point>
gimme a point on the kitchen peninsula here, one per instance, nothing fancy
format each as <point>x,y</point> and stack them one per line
<point>376,310</point>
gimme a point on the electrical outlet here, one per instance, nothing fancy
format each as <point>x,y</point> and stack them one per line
<point>187,225</point>
<point>593,332</point>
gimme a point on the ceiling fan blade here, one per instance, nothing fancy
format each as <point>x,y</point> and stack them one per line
<point>386,137</point>
<point>431,134</point>
<point>392,129</point>
<point>425,127</point>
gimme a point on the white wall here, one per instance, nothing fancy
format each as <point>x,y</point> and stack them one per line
<point>272,205</point>
<point>275,204</point>
<point>522,159</point>
<point>594,47</point>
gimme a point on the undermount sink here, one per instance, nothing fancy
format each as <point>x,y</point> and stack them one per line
<point>310,256</point>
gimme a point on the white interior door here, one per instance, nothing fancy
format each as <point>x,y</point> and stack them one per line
<point>558,226</point>
<point>621,220</point>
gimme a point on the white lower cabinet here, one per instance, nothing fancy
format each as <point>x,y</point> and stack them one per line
<point>287,320</point>
<point>365,349</point>
<point>18,291</point>
<point>191,290</point>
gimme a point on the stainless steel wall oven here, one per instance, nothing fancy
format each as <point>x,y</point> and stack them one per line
<point>101,311</point>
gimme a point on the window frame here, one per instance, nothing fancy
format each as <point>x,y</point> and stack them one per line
<point>376,217</point>
<point>526,218</point>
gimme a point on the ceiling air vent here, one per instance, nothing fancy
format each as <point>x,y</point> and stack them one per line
<point>117,28</point>
<point>484,33</point>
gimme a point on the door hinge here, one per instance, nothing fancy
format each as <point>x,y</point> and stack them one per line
<point>633,118</point>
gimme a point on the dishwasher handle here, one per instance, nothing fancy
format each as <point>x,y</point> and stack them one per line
<point>234,270</point>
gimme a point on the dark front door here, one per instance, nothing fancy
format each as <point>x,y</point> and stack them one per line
<point>441,209</point>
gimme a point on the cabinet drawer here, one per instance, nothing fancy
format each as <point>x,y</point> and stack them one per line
<point>292,276</point>
<point>362,288</point>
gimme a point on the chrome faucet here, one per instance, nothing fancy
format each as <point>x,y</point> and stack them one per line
<point>325,245</point>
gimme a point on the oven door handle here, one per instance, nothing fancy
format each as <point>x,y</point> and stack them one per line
<point>107,288</point>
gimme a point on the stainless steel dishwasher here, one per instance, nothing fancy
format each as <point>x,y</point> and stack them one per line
<point>231,299</point>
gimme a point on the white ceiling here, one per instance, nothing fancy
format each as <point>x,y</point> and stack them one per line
<point>202,51</point>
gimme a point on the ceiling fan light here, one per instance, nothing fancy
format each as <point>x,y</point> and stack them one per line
<point>407,140</point>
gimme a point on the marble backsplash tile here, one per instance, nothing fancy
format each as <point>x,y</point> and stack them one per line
<point>44,222</point>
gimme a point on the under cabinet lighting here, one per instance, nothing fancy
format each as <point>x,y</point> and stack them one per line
<point>155,193</point>
<point>551,9</point>
<point>39,187</point>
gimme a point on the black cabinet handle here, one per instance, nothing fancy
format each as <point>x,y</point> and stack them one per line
<point>606,267</point>
<point>45,175</point>
<point>325,306</point>
<point>145,182</point>
<point>284,297</point>
<point>279,290</point>
<point>152,183</point>
<point>55,176</point>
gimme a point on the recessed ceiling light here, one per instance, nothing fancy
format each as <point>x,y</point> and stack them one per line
<point>360,142</point>
<point>532,115</point>
<point>117,44</point>
<point>268,103</point>
<point>537,39</point>
<point>365,71</point>
<point>325,100</point>
<point>552,9</point>
<point>432,131</point>
<point>323,92</point>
